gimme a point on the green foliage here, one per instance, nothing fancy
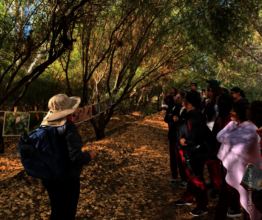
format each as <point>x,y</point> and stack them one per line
<point>149,111</point>
<point>16,124</point>
<point>129,46</point>
<point>211,24</point>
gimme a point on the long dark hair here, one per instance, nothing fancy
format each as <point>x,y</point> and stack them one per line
<point>175,90</point>
<point>193,97</point>
<point>210,110</point>
<point>225,103</point>
<point>256,111</point>
<point>237,89</point>
<point>241,109</point>
<point>225,90</point>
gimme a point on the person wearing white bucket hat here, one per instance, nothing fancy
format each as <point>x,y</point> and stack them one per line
<point>60,106</point>
<point>64,194</point>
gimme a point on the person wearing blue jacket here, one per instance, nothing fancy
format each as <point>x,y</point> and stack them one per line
<point>64,194</point>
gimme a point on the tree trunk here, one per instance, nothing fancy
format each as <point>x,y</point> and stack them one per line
<point>102,122</point>
<point>131,104</point>
<point>2,146</point>
<point>66,72</point>
<point>101,126</point>
<point>20,96</point>
<point>158,101</point>
<point>139,100</point>
<point>84,100</point>
<point>96,129</point>
<point>105,121</point>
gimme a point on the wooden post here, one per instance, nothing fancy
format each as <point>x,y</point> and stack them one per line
<point>15,110</point>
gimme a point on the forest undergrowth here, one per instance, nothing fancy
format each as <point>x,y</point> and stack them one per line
<point>129,178</point>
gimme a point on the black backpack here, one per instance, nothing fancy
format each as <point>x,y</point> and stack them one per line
<point>41,154</point>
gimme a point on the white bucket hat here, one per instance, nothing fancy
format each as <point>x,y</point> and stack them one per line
<point>60,106</point>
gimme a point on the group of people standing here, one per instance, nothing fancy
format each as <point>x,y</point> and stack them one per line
<point>219,129</point>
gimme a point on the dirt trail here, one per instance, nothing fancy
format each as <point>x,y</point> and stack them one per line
<point>129,179</point>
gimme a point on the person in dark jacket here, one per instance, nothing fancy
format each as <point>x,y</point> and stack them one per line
<point>213,164</point>
<point>225,90</point>
<point>211,109</point>
<point>238,95</point>
<point>176,114</point>
<point>206,101</point>
<point>169,99</point>
<point>64,194</point>
<point>192,133</point>
<point>193,87</point>
<point>225,103</point>
<point>170,102</point>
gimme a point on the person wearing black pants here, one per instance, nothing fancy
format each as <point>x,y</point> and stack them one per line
<point>229,197</point>
<point>175,115</point>
<point>63,198</point>
<point>64,192</point>
<point>193,132</point>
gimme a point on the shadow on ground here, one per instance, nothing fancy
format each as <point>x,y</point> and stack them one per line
<point>129,179</point>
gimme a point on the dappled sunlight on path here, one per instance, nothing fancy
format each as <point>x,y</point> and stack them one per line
<point>129,179</point>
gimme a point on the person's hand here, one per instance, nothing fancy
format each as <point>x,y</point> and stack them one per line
<point>182,141</point>
<point>92,154</point>
<point>175,118</point>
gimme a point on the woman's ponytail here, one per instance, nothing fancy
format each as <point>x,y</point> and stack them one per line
<point>237,89</point>
<point>242,93</point>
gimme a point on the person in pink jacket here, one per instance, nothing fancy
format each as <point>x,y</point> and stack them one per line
<point>239,147</point>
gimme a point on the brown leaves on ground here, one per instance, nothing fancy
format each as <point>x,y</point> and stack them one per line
<point>10,164</point>
<point>129,179</point>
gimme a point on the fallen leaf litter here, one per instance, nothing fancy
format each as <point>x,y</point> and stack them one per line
<point>129,179</point>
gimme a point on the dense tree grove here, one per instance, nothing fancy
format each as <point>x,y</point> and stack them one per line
<point>133,48</point>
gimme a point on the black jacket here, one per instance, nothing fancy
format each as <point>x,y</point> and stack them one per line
<point>242,100</point>
<point>195,130</point>
<point>172,133</point>
<point>72,148</point>
<point>169,100</point>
